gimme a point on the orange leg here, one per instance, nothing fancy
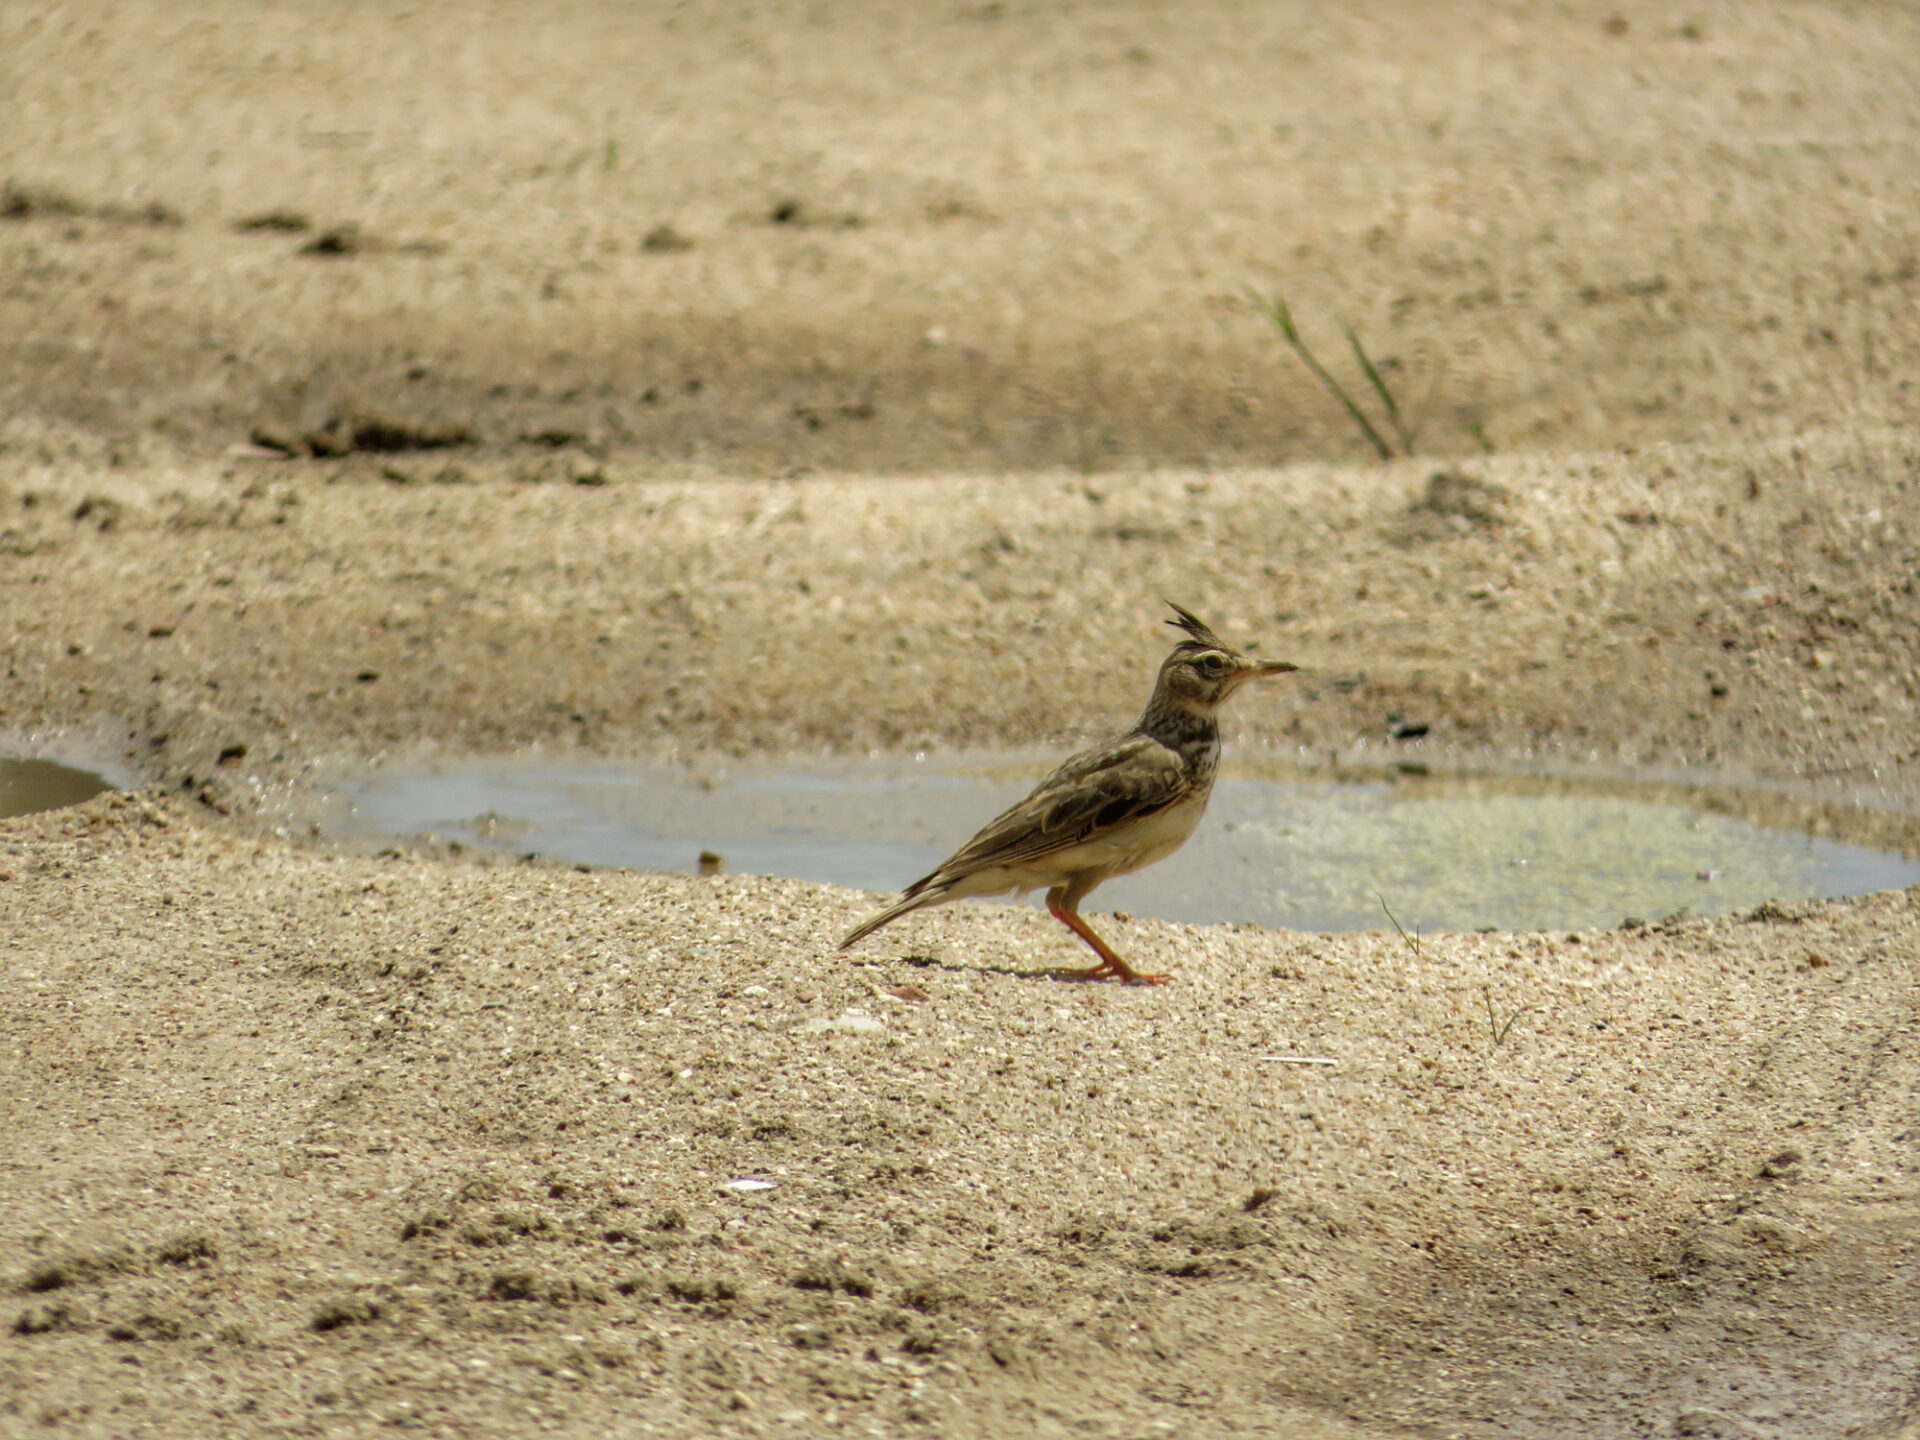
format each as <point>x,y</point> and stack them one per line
<point>1111,966</point>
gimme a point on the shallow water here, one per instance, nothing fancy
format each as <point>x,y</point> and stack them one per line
<point>1306,854</point>
<point>28,786</point>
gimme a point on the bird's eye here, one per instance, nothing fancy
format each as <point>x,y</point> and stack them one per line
<point>1214,663</point>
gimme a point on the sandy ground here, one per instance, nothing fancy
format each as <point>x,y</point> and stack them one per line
<point>646,381</point>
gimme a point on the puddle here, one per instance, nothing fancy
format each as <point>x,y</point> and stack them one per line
<point>1277,850</point>
<point>29,786</point>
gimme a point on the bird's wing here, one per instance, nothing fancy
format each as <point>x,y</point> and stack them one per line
<point>1094,793</point>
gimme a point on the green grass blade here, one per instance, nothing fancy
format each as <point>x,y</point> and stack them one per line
<point>1375,379</point>
<point>1281,317</point>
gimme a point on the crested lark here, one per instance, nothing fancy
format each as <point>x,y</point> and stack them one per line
<point>1109,810</point>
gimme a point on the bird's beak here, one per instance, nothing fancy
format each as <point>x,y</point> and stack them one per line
<point>1260,670</point>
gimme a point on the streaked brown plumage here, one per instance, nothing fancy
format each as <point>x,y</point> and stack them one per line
<point>1109,810</point>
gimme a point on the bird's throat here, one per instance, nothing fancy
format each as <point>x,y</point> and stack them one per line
<point>1193,734</point>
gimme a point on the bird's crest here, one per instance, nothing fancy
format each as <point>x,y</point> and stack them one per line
<point>1195,627</point>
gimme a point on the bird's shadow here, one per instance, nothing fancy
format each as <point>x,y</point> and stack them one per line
<point>1060,974</point>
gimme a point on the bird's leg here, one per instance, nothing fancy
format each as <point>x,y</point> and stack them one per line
<point>1111,966</point>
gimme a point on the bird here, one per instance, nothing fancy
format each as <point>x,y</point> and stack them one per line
<point>1109,810</point>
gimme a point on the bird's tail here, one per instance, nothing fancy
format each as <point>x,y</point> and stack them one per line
<point>912,900</point>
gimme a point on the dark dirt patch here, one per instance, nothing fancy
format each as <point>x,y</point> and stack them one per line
<point>274,222</point>
<point>45,202</point>
<point>375,432</point>
<point>340,240</point>
<point>665,240</point>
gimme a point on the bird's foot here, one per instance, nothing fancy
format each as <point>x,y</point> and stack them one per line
<point>1112,970</point>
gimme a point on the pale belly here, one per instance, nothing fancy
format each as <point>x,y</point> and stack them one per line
<point>1095,861</point>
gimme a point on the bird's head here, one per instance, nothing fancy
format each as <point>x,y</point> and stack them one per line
<point>1204,670</point>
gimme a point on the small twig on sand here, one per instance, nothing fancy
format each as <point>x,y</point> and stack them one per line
<point>1493,1023</point>
<point>1413,941</point>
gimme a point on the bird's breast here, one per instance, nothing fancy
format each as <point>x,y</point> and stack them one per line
<point>1165,831</point>
<point>1154,837</point>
